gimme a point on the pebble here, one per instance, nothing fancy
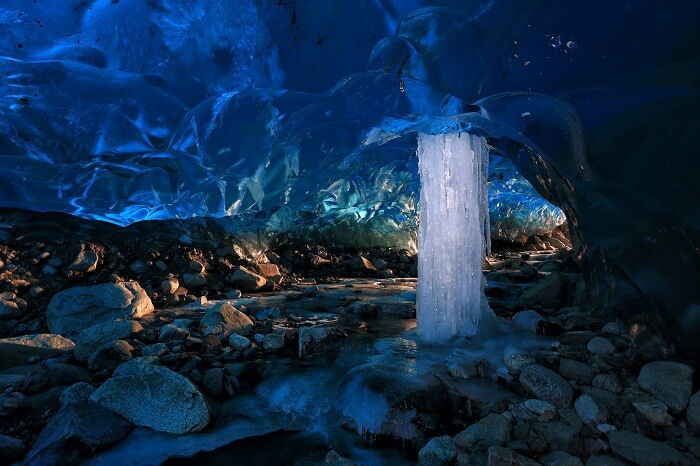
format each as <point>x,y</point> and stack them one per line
<point>546,411</point>
<point>138,267</point>
<point>589,410</point>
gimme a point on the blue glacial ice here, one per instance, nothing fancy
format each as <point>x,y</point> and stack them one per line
<point>301,116</point>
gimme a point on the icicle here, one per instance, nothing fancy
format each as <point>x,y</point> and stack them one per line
<point>453,235</point>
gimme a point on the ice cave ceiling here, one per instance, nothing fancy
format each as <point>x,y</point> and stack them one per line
<point>303,114</point>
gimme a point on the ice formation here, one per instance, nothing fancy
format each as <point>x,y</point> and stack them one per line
<point>453,235</point>
<point>300,116</point>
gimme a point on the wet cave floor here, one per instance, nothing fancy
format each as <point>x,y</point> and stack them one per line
<point>316,361</point>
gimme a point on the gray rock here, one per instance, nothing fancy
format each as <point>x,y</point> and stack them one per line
<point>600,345</point>
<point>196,266</point>
<point>213,381</point>
<point>169,286</point>
<point>608,382</point>
<point>603,460</point>
<point>194,280</point>
<point>49,270</point>
<point>81,307</point>
<point>169,332</point>
<point>17,351</point>
<point>234,294</point>
<point>11,449</point>
<point>86,261</point>
<point>560,458</point>
<point>318,340</point>
<point>93,337</point>
<point>545,411</point>
<point>694,410</point>
<point>439,451</point>
<point>557,434</point>
<point>66,374</point>
<point>547,292</point>
<point>157,398</point>
<point>74,433</point>
<point>493,430</point>
<point>578,371</point>
<point>156,349</point>
<point>643,451</point>
<point>78,393</point>
<point>670,382</point>
<point>516,359</point>
<point>108,356</point>
<point>238,342</point>
<point>9,310</point>
<point>547,385</point>
<point>224,319</point>
<point>135,366</point>
<point>655,411</point>
<point>273,341</point>
<point>590,411</point>
<point>245,279</point>
<point>499,456</point>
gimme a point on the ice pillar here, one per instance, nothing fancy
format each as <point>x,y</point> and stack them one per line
<point>453,235</point>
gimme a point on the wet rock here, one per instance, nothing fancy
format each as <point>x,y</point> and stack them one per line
<point>600,345</point>
<point>439,451</point>
<point>547,385</point>
<point>694,410</point>
<point>318,340</point>
<point>516,359</point>
<point>238,342</point>
<point>547,292</point>
<point>194,280</point>
<point>499,456</point>
<point>560,458</point>
<point>224,319</point>
<point>20,350</point>
<point>169,286</point>
<point>643,451</point>
<point>233,294</point>
<point>655,412</point>
<point>197,266</point>
<point>86,261</point>
<point>527,320</point>
<point>578,371</point>
<point>169,332</point>
<point>244,279</point>
<point>493,430</point>
<point>157,398</point>
<point>93,337</point>
<point>590,411</point>
<point>74,433</point>
<point>81,307</point>
<point>11,449</point>
<point>108,356</point>
<point>461,364</point>
<point>273,342</point>
<point>670,382</point>
<point>556,434</point>
<point>78,393</point>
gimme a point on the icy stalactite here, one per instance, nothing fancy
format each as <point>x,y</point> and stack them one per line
<point>452,236</point>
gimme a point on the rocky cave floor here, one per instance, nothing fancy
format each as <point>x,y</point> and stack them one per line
<point>100,336</point>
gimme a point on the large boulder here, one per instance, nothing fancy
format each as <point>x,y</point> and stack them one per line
<point>440,451</point>
<point>81,307</point>
<point>670,382</point>
<point>74,433</point>
<point>638,449</point>
<point>17,351</point>
<point>547,385</point>
<point>93,337</point>
<point>223,319</point>
<point>493,430</point>
<point>157,398</point>
<point>244,279</point>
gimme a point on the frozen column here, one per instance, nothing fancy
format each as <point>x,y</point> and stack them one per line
<point>452,236</point>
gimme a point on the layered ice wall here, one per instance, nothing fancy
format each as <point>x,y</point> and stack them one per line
<point>452,235</point>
